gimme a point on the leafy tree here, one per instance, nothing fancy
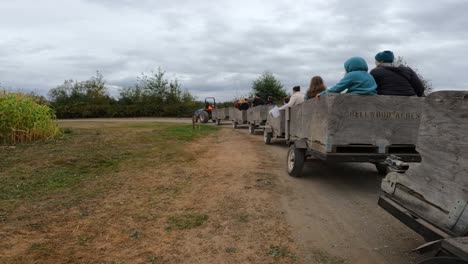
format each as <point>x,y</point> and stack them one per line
<point>77,99</point>
<point>267,85</point>
<point>428,88</point>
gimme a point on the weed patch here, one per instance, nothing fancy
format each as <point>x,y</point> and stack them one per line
<point>282,252</point>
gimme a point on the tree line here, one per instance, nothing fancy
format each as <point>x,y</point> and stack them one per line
<point>152,95</point>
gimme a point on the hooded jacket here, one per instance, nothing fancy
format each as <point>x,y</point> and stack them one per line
<point>400,80</point>
<point>357,80</point>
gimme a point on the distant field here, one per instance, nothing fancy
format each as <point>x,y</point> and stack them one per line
<point>112,191</point>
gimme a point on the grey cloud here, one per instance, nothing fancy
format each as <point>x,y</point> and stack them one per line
<point>219,47</point>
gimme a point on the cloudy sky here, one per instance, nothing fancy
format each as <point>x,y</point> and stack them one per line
<point>217,48</point>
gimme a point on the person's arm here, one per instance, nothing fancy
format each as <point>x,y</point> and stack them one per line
<point>416,83</point>
<point>342,85</point>
<point>377,76</point>
<point>291,102</point>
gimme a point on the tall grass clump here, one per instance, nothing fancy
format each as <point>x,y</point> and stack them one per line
<point>23,120</point>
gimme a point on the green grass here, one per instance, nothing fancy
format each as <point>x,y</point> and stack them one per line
<point>186,221</point>
<point>187,133</point>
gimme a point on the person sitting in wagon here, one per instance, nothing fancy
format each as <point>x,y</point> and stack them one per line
<point>395,80</point>
<point>316,86</point>
<point>257,101</point>
<point>270,101</point>
<point>356,81</point>
<point>243,104</point>
<point>296,98</point>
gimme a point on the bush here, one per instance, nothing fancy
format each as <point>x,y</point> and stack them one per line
<point>22,119</point>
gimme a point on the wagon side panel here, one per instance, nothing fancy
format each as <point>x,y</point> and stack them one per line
<point>375,120</point>
<point>437,190</point>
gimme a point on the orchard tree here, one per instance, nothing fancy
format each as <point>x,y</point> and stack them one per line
<point>267,85</point>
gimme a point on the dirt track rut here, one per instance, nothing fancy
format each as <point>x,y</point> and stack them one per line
<point>334,216</point>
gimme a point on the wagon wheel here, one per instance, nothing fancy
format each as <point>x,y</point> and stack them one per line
<point>443,260</point>
<point>252,129</point>
<point>204,116</point>
<point>234,124</point>
<point>295,161</point>
<point>382,168</point>
<point>267,137</point>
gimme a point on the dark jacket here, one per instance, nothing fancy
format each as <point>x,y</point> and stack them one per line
<point>257,101</point>
<point>400,80</point>
<point>244,106</point>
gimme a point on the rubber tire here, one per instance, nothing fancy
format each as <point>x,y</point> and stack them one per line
<point>204,117</point>
<point>295,161</point>
<point>443,260</point>
<point>382,168</point>
<point>214,120</point>
<point>267,137</point>
<point>251,129</point>
<point>234,124</point>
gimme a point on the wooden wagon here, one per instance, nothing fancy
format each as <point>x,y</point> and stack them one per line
<point>220,115</point>
<point>238,117</point>
<point>274,127</point>
<point>353,128</point>
<point>432,198</point>
<point>257,117</point>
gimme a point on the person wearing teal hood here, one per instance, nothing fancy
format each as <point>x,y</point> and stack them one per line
<point>357,80</point>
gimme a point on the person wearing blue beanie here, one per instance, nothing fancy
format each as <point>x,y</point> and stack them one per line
<point>395,80</point>
<point>385,57</point>
<point>356,81</point>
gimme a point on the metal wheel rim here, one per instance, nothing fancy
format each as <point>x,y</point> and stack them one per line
<point>291,160</point>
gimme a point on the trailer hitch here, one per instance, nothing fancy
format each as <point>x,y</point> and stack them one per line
<point>395,164</point>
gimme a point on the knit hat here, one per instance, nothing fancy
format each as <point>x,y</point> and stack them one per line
<point>385,56</point>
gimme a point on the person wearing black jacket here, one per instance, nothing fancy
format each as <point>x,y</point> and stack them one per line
<point>257,100</point>
<point>395,80</point>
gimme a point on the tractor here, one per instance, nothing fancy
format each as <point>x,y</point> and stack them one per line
<point>204,114</point>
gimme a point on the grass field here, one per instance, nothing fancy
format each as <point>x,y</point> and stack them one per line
<point>41,181</point>
<point>140,192</point>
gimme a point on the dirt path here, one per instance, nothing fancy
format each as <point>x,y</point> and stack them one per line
<point>334,215</point>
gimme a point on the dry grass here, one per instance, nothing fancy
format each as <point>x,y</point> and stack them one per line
<point>139,193</point>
